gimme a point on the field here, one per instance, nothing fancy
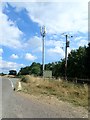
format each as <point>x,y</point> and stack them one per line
<point>76,94</point>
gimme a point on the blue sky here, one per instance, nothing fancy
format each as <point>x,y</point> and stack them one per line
<point>21,42</point>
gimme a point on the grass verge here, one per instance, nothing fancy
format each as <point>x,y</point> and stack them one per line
<point>63,90</point>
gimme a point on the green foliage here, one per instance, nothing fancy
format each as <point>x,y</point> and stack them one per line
<point>35,69</point>
<point>78,65</point>
<point>2,74</point>
<point>24,71</point>
<point>24,79</point>
<point>87,61</point>
<point>12,72</point>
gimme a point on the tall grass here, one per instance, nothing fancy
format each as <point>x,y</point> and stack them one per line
<point>63,90</point>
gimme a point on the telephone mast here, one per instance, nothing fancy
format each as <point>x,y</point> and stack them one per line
<point>43,33</point>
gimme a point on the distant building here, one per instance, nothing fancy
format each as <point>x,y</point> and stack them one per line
<point>12,72</point>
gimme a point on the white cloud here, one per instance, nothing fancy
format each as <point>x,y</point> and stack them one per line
<point>68,51</point>
<point>82,43</point>
<point>44,1</point>
<point>56,50</point>
<point>56,53</point>
<point>78,38</point>
<point>54,43</point>
<point>33,42</point>
<point>30,57</point>
<point>1,51</point>
<point>38,49</point>
<point>14,56</point>
<point>58,17</point>
<point>5,66</point>
<point>10,34</point>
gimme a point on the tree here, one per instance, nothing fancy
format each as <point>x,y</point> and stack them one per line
<point>12,72</point>
<point>76,63</point>
<point>2,74</point>
<point>35,69</point>
<point>87,61</point>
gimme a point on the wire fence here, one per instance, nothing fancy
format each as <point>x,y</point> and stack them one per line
<point>77,80</point>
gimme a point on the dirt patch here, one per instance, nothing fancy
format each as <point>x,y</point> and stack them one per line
<point>58,104</point>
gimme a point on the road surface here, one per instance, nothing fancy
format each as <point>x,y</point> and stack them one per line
<point>0,98</point>
<point>15,105</point>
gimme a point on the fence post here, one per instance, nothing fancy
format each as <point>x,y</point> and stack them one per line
<point>76,80</point>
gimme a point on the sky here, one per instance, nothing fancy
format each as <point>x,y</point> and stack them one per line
<point>20,23</point>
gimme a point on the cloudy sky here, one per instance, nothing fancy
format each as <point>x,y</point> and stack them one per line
<point>20,39</point>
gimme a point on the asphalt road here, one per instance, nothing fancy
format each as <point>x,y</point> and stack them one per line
<point>0,97</point>
<point>17,106</point>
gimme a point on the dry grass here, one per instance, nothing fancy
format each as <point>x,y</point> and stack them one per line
<point>63,90</point>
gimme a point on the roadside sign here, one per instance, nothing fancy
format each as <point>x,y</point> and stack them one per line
<point>47,73</point>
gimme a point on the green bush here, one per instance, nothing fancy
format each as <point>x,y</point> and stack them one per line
<point>24,79</point>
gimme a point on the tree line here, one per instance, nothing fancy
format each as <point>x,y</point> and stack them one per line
<point>78,65</point>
